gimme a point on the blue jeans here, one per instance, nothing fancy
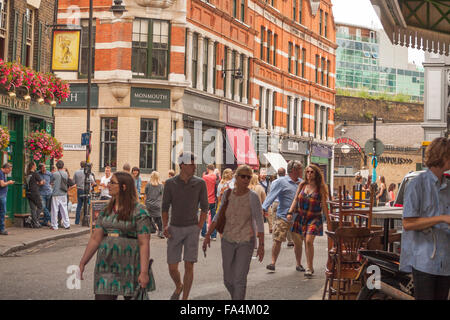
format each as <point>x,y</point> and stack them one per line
<point>47,206</point>
<point>2,213</point>
<point>80,200</point>
<point>212,209</point>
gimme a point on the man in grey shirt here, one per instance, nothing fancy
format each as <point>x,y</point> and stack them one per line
<point>183,193</point>
<point>79,179</point>
<point>59,196</point>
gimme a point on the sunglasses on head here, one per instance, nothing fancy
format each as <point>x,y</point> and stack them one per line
<point>245,176</point>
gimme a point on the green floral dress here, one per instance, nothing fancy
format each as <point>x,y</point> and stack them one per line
<point>118,258</point>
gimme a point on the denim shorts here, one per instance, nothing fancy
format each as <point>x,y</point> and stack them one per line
<point>187,237</point>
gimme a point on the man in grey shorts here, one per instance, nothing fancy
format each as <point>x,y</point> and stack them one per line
<point>183,193</point>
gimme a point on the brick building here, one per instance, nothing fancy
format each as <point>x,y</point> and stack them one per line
<point>25,38</point>
<point>220,63</point>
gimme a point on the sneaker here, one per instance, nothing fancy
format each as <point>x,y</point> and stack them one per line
<point>161,235</point>
<point>270,267</point>
<point>213,239</point>
<point>308,273</point>
<point>4,233</point>
<point>300,268</point>
<point>67,228</point>
<point>290,244</point>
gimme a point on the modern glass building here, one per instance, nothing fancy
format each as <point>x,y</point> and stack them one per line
<point>365,62</point>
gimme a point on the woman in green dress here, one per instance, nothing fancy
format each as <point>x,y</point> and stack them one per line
<point>122,242</point>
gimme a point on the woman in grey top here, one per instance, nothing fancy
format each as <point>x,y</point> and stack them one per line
<point>153,199</point>
<point>244,221</point>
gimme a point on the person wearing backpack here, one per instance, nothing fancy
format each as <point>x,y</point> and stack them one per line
<point>60,181</point>
<point>33,182</point>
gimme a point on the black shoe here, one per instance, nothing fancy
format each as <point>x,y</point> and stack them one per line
<point>290,244</point>
<point>271,267</point>
<point>300,268</point>
<point>67,228</point>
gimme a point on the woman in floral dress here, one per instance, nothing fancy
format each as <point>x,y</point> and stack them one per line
<point>308,203</point>
<point>122,242</point>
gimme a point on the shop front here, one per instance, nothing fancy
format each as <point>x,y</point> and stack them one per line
<point>295,150</point>
<point>321,155</point>
<point>20,117</point>
<point>239,148</point>
<point>203,129</point>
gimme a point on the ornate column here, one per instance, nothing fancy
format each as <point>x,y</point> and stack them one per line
<point>200,63</point>
<point>211,62</point>
<point>262,108</point>
<point>291,117</point>
<point>189,56</point>
<point>270,109</point>
<point>229,74</point>
<point>237,63</point>
<point>245,84</point>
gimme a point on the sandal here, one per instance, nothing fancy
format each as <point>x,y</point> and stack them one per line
<point>300,268</point>
<point>308,273</point>
<point>176,295</point>
<point>271,267</point>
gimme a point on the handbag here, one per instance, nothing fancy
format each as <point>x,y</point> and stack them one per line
<point>141,293</point>
<point>220,225</point>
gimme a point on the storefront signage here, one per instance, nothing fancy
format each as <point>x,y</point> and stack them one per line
<point>321,151</point>
<point>201,107</point>
<point>73,147</point>
<point>150,98</point>
<point>78,97</point>
<point>394,160</point>
<point>291,146</point>
<point>350,142</point>
<point>18,104</point>
<point>239,117</point>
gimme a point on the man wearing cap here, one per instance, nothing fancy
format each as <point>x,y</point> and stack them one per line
<point>6,169</point>
<point>183,193</point>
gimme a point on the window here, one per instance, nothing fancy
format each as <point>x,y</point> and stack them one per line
<point>316,118</point>
<point>323,72</point>
<point>215,67</point>
<point>326,24</point>
<point>260,106</point>
<point>225,67</point>
<point>274,102</point>
<point>27,38</point>
<point>288,115</point>
<point>295,116</point>
<point>297,56</point>
<point>194,59</point>
<point>269,39</point>
<point>262,43</point>
<point>3,28</point>
<point>83,71</point>
<point>266,110</point>
<point>241,83</point>
<point>321,122</point>
<point>302,110</point>
<point>303,61</point>
<point>290,57</point>
<point>300,6</point>
<point>320,21</point>
<point>294,10</point>
<point>326,123</point>
<point>150,52</point>
<point>147,150</point>
<point>243,10</point>
<point>328,73</point>
<point>317,68</point>
<point>108,143</point>
<point>275,40</point>
<point>233,66</point>
<point>205,63</point>
<point>235,8</point>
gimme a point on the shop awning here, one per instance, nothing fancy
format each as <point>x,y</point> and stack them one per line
<point>276,160</point>
<point>242,146</point>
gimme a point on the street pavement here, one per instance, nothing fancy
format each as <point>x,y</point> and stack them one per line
<point>40,271</point>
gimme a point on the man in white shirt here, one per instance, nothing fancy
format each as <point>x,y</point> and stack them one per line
<point>104,192</point>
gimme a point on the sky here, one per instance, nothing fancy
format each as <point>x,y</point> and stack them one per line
<point>361,12</point>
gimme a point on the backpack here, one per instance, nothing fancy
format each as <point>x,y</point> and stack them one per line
<point>63,186</point>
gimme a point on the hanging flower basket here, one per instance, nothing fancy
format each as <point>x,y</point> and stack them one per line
<point>39,85</point>
<point>4,138</point>
<point>42,146</point>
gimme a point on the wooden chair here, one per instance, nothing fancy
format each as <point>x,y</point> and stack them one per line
<point>344,267</point>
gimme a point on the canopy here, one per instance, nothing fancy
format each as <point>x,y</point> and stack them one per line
<point>242,146</point>
<point>276,160</point>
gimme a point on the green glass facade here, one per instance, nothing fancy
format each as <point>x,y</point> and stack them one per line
<point>358,68</point>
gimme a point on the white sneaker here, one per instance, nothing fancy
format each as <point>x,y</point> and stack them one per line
<point>213,239</point>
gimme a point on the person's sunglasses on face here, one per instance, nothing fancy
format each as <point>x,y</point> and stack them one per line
<point>244,176</point>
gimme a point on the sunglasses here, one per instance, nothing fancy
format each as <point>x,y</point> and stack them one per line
<point>243,176</point>
<point>309,171</point>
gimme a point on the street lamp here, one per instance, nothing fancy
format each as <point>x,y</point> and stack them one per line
<point>236,75</point>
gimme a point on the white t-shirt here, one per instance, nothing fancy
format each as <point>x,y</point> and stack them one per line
<point>105,191</point>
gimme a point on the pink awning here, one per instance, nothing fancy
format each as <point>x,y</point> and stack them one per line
<point>242,146</point>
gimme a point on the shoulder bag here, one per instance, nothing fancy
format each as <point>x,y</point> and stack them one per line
<point>220,225</point>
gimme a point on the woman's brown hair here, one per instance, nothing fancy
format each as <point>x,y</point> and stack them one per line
<point>127,197</point>
<point>437,153</point>
<point>318,180</point>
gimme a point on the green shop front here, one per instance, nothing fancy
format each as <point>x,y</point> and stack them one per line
<point>321,155</point>
<point>21,117</point>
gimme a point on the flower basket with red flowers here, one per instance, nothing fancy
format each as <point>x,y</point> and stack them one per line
<point>42,145</point>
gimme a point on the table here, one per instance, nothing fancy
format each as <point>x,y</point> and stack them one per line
<point>388,214</point>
